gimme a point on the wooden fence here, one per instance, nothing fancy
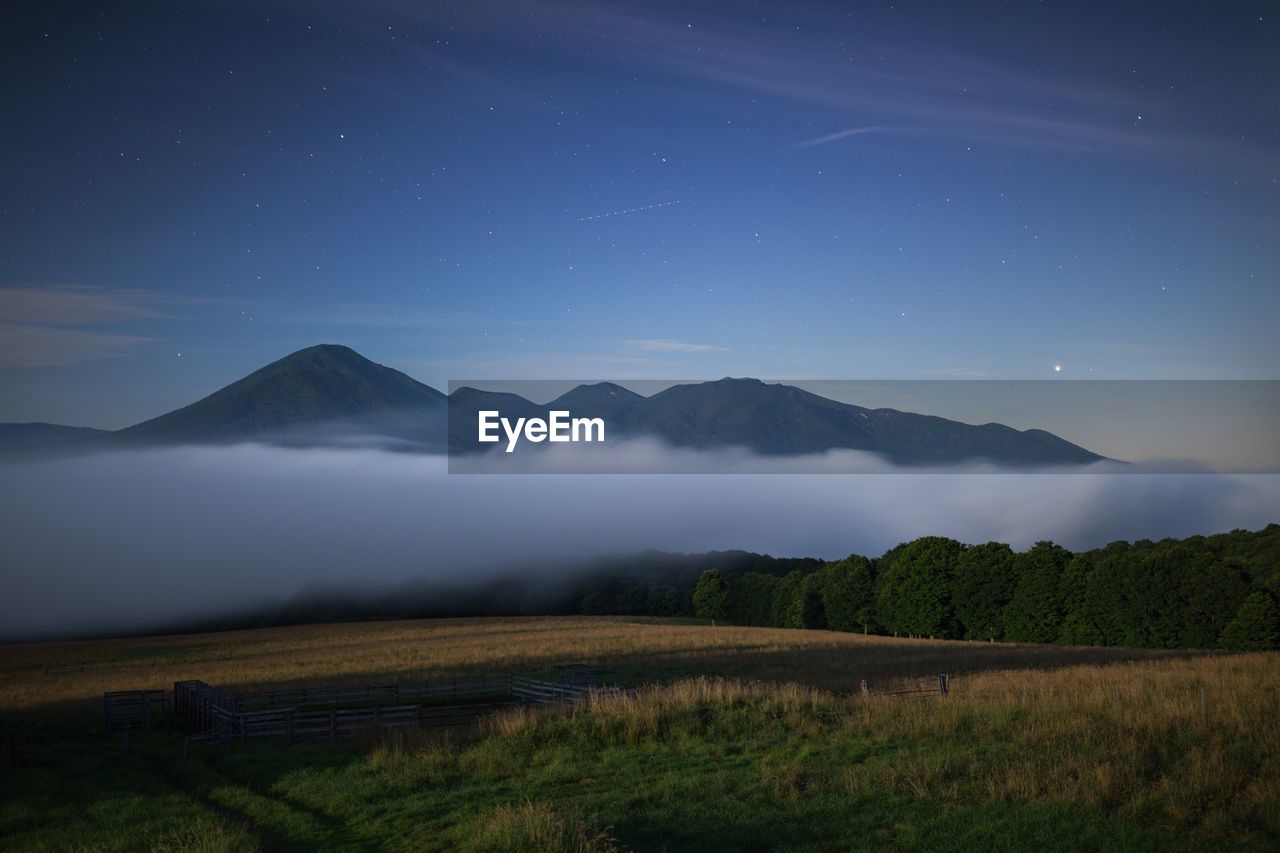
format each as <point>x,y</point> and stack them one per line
<point>939,686</point>
<point>218,718</point>
<point>455,690</point>
<point>132,709</point>
<point>215,717</point>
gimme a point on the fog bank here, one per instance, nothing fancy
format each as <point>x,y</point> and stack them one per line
<point>123,541</point>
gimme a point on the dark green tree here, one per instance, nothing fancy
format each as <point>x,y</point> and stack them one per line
<point>1034,613</point>
<point>711,595</point>
<point>1202,593</point>
<point>788,601</point>
<point>1258,553</point>
<point>752,600</point>
<point>1145,604</point>
<point>983,584</point>
<point>913,587</point>
<point>663,600</point>
<point>1256,625</point>
<point>848,594</point>
<point>813,613</point>
<point>1095,612</point>
<point>1078,627</point>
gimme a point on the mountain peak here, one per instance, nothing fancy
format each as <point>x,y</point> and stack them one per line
<point>322,384</point>
<point>597,392</point>
<point>322,354</point>
<point>337,350</point>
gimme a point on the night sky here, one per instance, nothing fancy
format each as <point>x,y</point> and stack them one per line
<point>545,189</point>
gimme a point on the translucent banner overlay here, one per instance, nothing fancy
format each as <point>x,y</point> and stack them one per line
<point>829,426</point>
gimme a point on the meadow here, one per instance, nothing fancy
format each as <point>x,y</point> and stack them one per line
<point>746,738</point>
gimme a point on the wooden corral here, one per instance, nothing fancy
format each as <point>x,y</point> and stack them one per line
<point>217,718</point>
<point>133,709</point>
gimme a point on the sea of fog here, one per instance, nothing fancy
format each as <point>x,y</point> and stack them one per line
<point>120,541</point>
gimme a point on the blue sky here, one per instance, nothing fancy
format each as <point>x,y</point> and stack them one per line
<point>530,189</point>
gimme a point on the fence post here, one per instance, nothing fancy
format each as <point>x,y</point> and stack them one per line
<point>863,689</point>
<point>942,685</point>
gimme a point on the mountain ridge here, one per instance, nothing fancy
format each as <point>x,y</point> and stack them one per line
<point>330,395</point>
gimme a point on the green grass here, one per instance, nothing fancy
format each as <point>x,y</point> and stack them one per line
<point>1013,760</point>
<point>744,782</point>
<point>736,778</point>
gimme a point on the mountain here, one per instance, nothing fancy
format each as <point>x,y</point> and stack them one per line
<point>324,394</point>
<point>779,420</point>
<point>465,404</point>
<point>330,395</point>
<point>603,399</point>
<point>15,438</point>
<point>775,420</point>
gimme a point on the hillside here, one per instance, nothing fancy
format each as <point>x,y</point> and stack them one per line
<point>320,394</point>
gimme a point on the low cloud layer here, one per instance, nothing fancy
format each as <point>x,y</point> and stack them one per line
<point>127,540</point>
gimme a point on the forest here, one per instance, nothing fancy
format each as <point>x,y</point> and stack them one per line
<point>1201,592</point>
<point>1217,591</point>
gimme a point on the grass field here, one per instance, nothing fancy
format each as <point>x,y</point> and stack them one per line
<point>757,740</point>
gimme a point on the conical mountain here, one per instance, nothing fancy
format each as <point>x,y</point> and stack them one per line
<point>326,390</point>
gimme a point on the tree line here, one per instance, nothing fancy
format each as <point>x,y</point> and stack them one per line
<point>1200,592</point>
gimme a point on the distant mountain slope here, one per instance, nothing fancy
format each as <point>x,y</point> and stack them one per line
<point>316,395</point>
<point>330,395</point>
<point>779,420</point>
<point>17,437</point>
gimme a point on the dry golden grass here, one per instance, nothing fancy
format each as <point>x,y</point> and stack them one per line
<point>41,674</point>
<point>1180,743</point>
<point>534,826</point>
<point>1170,743</point>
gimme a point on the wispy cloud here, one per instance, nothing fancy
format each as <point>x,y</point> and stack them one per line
<point>874,78</point>
<point>73,305</point>
<point>669,345</point>
<point>849,132</point>
<point>51,346</point>
<point>53,326</point>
